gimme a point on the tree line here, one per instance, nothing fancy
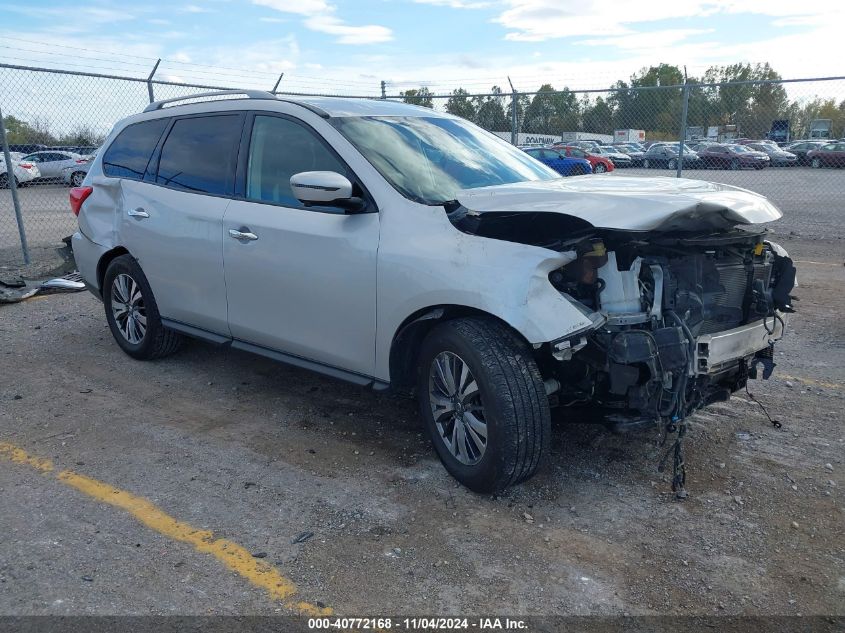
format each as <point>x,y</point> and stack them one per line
<point>37,131</point>
<point>639,104</point>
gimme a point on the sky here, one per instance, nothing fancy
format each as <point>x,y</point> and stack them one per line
<point>349,47</point>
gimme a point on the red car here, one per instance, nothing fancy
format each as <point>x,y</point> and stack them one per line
<point>830,155</point>
<point>600,164</point>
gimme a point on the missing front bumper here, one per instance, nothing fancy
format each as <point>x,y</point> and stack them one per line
<point>717,352</point>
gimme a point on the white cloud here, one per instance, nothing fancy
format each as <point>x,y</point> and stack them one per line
<point>193,8</point>
<point>320,16</point>
<point>648,39</point>
<point>368,34</point>
<point>456,4</point>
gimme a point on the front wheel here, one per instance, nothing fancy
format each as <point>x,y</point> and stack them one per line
<point>673,164</point>
<point>600,168</point>
<point>132,312</point>
<point>484,403</point>
<point>816,164</point>
<point>4,181</point>
<point>76,178</point>
<point>646,164</point>
<point>734,165</point>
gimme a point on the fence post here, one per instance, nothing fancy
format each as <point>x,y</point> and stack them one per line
<point>383,89</point>
<point>514,123</point>
<point>684,109</point>
<point>13,187</point>
<point>150,81</point>
<point>276,87</point>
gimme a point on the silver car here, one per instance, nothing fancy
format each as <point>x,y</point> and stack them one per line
<point>51,163</point>
<point>398,247</point>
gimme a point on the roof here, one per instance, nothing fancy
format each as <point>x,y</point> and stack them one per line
<point>344,106</point>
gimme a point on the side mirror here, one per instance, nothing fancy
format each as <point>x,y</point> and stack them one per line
<point>326,188</point>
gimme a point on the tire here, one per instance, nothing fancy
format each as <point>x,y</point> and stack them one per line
<point>672,164</point>
<point>4,181</point>
<point>600,168</point>
<point>734,165</point>
<point>646,164</point>
<point>76,178</point>
<point>510,402</point>
<point>124,284</point>
<point>816,163</point>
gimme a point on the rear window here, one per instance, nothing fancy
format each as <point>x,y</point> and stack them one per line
<point>128,155</point>
<point>199,154</point>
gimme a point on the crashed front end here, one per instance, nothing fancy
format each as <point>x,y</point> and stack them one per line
<point>686,321</point>
<point>685,303</point>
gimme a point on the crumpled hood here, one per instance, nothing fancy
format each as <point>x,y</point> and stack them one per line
<point>628,202</point>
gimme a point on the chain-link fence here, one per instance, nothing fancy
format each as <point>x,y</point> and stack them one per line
<point>777,137</point>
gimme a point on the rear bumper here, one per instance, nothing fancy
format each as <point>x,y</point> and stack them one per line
<point>87,255</point>
<point>716,352</point>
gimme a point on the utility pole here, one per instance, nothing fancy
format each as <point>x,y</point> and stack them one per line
<point>383,88</point>
<point>514,124</point>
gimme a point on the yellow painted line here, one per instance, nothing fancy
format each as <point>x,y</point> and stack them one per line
<point>234,556</point>
<point>810,381</point>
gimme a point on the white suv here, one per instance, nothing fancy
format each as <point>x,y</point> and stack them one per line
<point>396,246</point>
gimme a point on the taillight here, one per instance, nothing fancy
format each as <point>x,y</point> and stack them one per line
<point>81,160</point>
<point>78,195</point>
<point>25,165</point>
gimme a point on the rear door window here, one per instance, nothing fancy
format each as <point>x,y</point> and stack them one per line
<point>200,154</point>
<point>128,155</point>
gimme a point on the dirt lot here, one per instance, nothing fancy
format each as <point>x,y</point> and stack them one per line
<point>261,454</point>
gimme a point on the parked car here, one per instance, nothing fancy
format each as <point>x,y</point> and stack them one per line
<point>73,175</point>
<point>398,247</point>
<point>828,155</point>
<point>666,155</point>
<point>26,148</point>
<point>733,156</point>
<point>802,148</point>
<point>777,156</point>
<point>600,164</point>
<point>562,164</point>
<point>24,172</point>
<point>51,163</point>
<point>619,158</point>
<point>633,153</point>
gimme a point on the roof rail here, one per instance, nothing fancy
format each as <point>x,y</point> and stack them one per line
<point>250,94</point>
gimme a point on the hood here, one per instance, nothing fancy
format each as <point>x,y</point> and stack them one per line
<point>628,203</point>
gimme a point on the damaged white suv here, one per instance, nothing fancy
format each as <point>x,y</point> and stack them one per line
<point>395,246</point>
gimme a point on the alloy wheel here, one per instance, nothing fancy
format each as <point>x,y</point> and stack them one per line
<point>128,309</point>
<point>456,407</point>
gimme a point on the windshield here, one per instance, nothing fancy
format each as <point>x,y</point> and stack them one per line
<point>430,159</point>
<point>675,147</point>
<point>738,148</point>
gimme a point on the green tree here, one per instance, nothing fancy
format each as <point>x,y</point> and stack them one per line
<point>597,117</point>
<point>461,105</point>
<point>490,111</point>
<point>418,96</point>
<point>551,111</point>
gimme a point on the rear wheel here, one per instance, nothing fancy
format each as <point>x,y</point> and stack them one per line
<point>76,178</point>
<point>672,164</point>
<point>484,403</point>
<point>646,164</point>
<point>734,164</point>
<point>132,312</point>
<point>600,168</point>
<point>816,163</point>
<point>4,181</point>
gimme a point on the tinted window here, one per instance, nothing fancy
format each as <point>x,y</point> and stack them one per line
<point>279,149</point>
<point>199,154</point>
<point>128,155</point>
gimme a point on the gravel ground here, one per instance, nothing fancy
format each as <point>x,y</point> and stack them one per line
<point>260,453</point>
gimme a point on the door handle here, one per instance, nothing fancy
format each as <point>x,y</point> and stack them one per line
<point>243,235</point>
<point>137,213</point>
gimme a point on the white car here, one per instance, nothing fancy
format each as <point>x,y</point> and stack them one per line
<point>398,247</point>
<point>51,163</point>
<point>24,171</point>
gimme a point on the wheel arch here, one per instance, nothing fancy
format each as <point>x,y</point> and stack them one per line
<point>104,262</point>
<point>406,342</point>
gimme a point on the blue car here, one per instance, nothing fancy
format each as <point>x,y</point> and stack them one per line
<point>562,164</point>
